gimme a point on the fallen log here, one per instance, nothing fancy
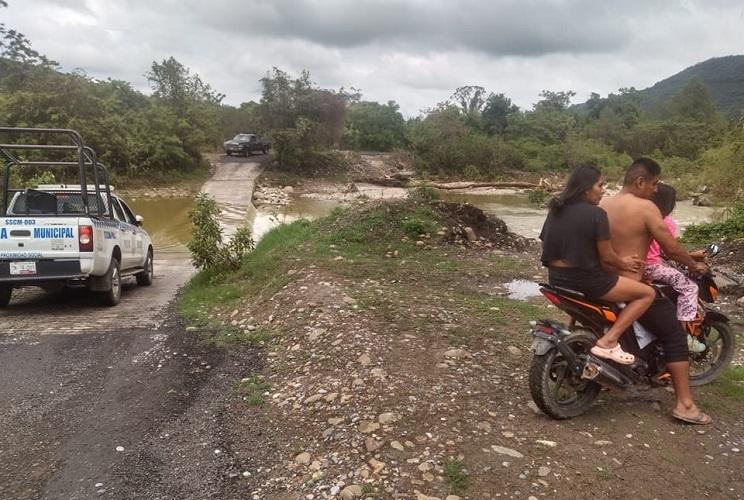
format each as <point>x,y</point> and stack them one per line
<point>468,185</point>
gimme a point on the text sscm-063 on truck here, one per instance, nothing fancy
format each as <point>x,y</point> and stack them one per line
<point>55,235</point>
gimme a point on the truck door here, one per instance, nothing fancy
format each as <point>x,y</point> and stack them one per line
<point>126,233</point>
<point>138,252</point>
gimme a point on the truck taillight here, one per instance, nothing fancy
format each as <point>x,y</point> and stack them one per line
<point>85,238</point>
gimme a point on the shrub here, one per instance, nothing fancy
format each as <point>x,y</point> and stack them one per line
<point>423,193</point>
<point>208,250</point>
<point>415,227</point>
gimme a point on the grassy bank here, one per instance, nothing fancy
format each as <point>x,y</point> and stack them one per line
<point>409,242</point>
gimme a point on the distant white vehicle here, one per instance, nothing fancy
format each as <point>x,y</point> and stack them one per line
<point>55,234</point>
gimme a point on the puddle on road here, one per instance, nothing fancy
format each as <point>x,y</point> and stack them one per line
<point>522,289</point>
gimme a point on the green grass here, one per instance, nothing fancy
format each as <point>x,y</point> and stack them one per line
<point>456,475</point>
<point>603,473</point>
<point>252,389</point>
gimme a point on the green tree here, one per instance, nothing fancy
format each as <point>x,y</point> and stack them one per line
<point>693,102</point>
<point>374,127</point>
<point>496,112</point>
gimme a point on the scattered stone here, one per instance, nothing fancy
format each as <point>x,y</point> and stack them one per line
<point>543,471</point>
<point>376,465</point>
<point>455,353</point>
<point>303,458</point>
<point>506,451</point>
<point>397,446</point>
<point>372,444</point>
<point>349,300</point>
<point>507,434</point>
<point>312,399</point>
<point>470,234</point>
<point>388,418</point>
<point>335,421</point>
<point>602,442</point>
<point>740,302</point>
<point>546,443</point>
<point>288,189</point>
<point>367,426</point>
<point>364,360</point>
<point>452,497</point>
<point>484,426</point>
<point>119,448</point>
<point>421,496</point>
<point>514,350</point>
<point>350,492</point>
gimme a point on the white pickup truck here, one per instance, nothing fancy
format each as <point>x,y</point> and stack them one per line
<point>47,240</point>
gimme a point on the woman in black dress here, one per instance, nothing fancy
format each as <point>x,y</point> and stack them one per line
<point>579,256</point>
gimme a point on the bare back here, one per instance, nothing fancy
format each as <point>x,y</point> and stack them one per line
<point>629,231</point>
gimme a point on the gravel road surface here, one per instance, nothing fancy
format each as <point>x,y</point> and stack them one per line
<point>118,402</point>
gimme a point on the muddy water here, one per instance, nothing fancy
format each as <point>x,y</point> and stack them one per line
<point>166,219</point>
<point>526,219</point>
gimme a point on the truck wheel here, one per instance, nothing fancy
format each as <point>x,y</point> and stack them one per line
<point>5,293</point>
<point>112,296</point>
<point>145,277</point>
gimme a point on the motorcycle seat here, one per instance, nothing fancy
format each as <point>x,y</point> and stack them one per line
<point>578,295</point>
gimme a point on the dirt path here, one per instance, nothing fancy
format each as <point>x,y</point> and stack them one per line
<point>117,402</point>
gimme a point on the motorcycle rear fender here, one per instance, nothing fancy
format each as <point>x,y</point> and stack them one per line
<point>541,346</point>
<point>544,342</point>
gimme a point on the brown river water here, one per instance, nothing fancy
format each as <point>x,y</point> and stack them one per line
<point>166,219</point>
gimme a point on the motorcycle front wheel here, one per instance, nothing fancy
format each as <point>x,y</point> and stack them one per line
<point>559,393</point>
<point>720,343</point>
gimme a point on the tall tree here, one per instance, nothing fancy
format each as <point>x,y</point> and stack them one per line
<point>16,47</point>
<point>693,102</point>
<point>496,112</point>
<point>470,98</point>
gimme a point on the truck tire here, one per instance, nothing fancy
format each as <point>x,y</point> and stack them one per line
<point>145,277</point>
<point>112,296</point>
<point>5,293</point>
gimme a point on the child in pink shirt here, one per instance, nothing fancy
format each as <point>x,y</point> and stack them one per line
<point>658,270</point>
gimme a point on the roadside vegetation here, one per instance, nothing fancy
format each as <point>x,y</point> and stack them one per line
<point>477,134</point>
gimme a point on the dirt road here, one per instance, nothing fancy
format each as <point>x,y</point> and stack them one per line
<point>114,402</point>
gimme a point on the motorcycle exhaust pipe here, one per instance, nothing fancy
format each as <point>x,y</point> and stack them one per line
<point>604,374</point>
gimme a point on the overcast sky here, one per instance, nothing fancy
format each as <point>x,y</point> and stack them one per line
<point>415,52</point>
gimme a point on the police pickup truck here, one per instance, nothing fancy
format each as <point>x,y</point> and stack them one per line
<point>49,238</point>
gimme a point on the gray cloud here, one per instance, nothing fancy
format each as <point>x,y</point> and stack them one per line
<point>413,51</point>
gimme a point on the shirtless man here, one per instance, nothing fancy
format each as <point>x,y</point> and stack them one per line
<point>634,222</point>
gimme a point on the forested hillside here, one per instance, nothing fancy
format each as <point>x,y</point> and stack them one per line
<point>723,76</point>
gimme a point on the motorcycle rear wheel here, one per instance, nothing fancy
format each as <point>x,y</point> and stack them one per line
<point>708,365</point>
<point>558,393</point>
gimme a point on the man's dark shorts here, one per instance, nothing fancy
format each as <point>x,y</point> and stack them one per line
<point>661,320</point>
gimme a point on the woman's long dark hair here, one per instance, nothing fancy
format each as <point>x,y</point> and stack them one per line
<point>579,182</point>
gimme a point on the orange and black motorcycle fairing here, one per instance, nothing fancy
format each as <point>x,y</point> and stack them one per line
<point>565,378</point>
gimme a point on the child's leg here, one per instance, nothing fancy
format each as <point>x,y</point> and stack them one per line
<point>687,302</point>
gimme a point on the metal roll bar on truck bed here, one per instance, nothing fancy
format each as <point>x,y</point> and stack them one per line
<point>72,142</point>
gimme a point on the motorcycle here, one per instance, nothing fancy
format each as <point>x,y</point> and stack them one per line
<point>565,378</point>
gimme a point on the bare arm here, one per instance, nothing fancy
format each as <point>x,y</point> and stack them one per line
<point>613,262</point>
